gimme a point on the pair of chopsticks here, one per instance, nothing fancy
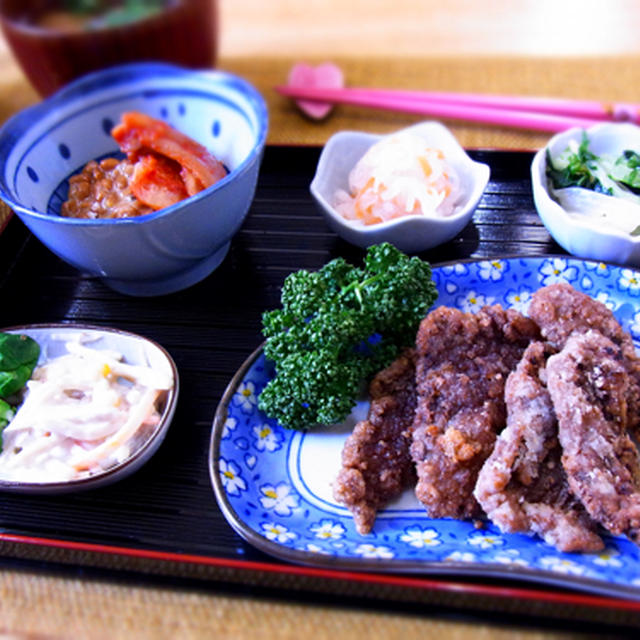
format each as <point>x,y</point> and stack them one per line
<point>539,114</point>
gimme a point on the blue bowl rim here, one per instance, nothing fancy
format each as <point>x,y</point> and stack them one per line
<point>17,124</point>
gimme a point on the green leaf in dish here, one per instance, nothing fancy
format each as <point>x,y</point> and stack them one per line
<point>6,415</point>
<point>18,357</point>
<point>574,167</point>
<point>626,169</point>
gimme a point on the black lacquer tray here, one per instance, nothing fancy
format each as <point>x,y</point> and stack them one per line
<point>163,522</point>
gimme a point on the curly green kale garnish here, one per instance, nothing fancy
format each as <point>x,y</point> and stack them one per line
<point>337,327</point>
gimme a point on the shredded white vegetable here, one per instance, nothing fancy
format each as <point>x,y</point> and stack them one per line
<point>400,175</point>
<point>82,413</point>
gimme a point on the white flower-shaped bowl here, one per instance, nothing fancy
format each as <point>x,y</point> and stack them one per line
<point>164,251</point>
<point>579,236</point>
<point>411,234</point>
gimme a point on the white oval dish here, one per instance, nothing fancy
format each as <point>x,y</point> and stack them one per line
<point>410,234</point>
<point>136,350</point>
<point>580,236</point>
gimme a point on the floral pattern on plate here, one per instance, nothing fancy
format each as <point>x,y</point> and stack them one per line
<point>274,485</point>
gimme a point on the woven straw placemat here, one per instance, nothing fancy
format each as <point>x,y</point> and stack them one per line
<point>570,77</point>
<point>37,605</point>
<point>589,78</point>
<point>5,214</point>
<point>48,607</point>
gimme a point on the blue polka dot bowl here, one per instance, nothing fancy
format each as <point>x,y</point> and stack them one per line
<point>161,252</point>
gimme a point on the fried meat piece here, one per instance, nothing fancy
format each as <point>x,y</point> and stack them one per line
<point>448,460</point>
<point>376,464</point>
<point>522,486</point>
<point>560,311</point>
<point>588,382</point>
<point>463,360</point>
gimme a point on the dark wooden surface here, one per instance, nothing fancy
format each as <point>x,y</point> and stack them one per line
<point>210,329</point>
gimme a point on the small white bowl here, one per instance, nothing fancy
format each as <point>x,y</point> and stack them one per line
<point>410,234</point>
<point>136,350</point>
<point>584,237</point>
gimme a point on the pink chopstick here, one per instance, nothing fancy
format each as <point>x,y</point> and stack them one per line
<point>561,106</point>
<point>541,114</point>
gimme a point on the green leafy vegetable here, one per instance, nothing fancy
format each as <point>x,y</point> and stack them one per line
<point>6,414</point>
<point>578,166</point>
<point>83,6</point>
<point>18,357</point>
<point>575,167</point>
<point>338,326</point>
<point>103,13</point>
<point>626,169</point>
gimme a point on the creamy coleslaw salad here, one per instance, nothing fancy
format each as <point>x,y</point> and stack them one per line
<point>83,412</point>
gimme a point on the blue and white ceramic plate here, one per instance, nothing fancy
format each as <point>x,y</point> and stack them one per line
<point>274,485</point>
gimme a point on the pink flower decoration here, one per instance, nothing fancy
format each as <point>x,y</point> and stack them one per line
<point>325,76</point>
